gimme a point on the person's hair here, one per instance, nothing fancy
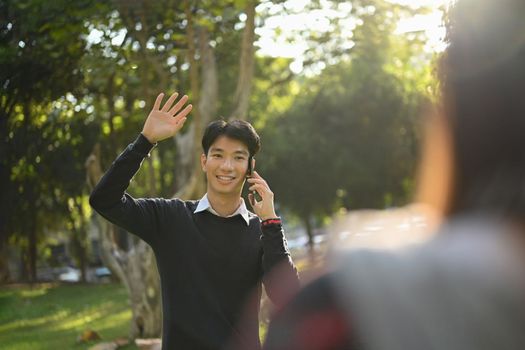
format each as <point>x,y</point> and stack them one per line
<point>236,129</point>
<point>482,77</point>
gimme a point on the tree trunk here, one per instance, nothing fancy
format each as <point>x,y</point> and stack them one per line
<point>5,192</point>
<point>309,232</point>
<point>32,247</point>
<point>143,284</point>
<point>190,184</point>
<point>78,240</point>
<point>30,224</point>
<point>79,251</point>
<point>24,269</point>
<point>131,259</point>
<point>4,260</point>
<point>246,62</point>
<point>135,266</point>
<point>82,259</point>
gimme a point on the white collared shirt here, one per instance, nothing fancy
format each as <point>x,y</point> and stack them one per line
<point>204,204</point>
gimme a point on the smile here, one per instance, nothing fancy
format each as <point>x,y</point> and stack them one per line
<point>224,178</point>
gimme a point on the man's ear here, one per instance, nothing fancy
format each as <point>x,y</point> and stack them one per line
<point>203,162</point>
<point>253,164</point>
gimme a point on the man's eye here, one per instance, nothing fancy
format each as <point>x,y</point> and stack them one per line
<point>216,155</point>
<point>240,158</point>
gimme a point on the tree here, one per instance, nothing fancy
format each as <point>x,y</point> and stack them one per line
<point>37,48</point>
<point>349,138</point>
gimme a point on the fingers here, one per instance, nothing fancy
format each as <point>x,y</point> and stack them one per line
<point>178,105</point>
<point>184,112</point>
<point>158,101</point>
<point>258,188</point>
<point>262,190</point>
<point>252,200</point>
<point>170,101</point>
<point>256,175</point>
<point>167,108</point>
<point>181,117</point>
<point>260,185</point>
<point>258,180</point>
<point>264,207</point>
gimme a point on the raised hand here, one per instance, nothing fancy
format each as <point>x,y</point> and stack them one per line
<point>263,208</point>
<point>166,121</point>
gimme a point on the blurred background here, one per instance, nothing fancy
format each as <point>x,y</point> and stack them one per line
<point>338,91</point>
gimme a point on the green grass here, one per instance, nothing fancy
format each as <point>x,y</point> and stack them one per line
<point>50,316</point>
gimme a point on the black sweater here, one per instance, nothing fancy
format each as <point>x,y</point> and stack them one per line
<point>210,267</point>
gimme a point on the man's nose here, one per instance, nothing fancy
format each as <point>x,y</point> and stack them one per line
<point>227,164</point>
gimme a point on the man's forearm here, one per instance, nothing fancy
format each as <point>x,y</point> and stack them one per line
<point>112,186</point>
<point>281,279</point>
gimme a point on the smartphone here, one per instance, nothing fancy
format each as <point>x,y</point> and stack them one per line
<point>250,174</point>
<point>250,167</point>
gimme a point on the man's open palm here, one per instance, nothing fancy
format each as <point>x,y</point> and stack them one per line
<point>166,121</point>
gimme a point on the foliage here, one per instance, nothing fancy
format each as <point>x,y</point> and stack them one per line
<point>350,138</point>
<point>37,48</point>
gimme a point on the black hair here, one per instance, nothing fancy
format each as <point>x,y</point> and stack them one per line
<point>482,76</point>
<point>236,129</point>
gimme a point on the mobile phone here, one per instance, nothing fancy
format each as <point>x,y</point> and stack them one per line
<point>250,174</point>
<point>250,167</point>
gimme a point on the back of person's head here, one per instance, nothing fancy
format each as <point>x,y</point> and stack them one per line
<point>236,129</point>
<point>483,89</point>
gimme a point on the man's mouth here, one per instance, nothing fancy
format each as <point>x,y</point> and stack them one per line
<point>225,178</point>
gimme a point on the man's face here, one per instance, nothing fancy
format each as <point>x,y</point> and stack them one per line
<point>225,166</point>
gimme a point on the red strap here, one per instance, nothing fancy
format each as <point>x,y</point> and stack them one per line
<point>271,221</point>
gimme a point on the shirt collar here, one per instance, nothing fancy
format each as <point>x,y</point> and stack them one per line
<point>204,204</point>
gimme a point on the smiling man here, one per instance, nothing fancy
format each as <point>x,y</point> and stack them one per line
<point>213,255</point>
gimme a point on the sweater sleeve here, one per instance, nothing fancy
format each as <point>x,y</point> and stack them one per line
<point>110,199</point>
<point>280,277</point>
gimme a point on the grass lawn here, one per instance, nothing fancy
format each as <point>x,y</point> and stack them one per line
<point>49,316</point>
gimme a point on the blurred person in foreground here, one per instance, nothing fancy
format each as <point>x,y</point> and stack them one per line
<point>465,287</point>
<point>212,253</point>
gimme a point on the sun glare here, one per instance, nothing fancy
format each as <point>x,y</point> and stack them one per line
<point>274,35</point>
<point>418,3</point>
<point>430,23</point>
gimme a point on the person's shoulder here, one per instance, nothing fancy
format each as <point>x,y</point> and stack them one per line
<point>318,294</point>
<point>312,317</point>
<point>187,205</point>
<point>177,204</point>
<point>315,297</point>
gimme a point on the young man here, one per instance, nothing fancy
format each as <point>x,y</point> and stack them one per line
<point>212,254</point>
